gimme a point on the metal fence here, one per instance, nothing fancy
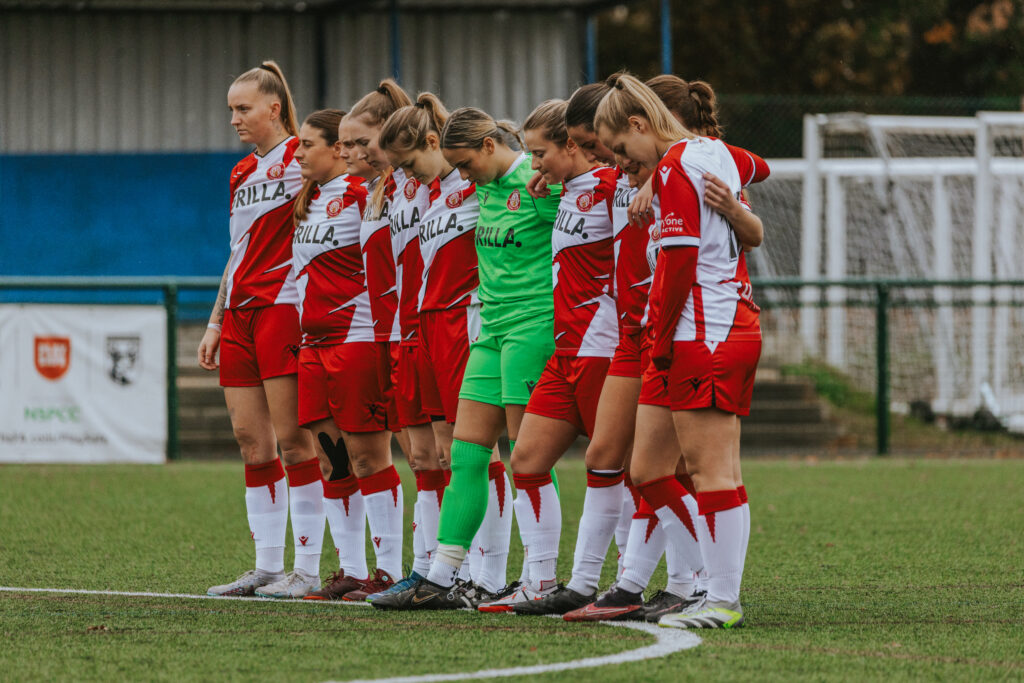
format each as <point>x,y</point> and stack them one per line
<point>893,354</point>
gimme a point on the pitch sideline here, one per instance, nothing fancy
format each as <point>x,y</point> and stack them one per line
<point>187,596</point>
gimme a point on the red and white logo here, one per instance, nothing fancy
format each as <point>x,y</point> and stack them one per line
<point>410,188</point>
<point>52,356</point>
<point>673,222</point>
<point>276,171</point>
<point>334,207</point>
<point>376,541</point>
<point>585,202</point>
<point>656,231</point>
<point>303,540</point>
<point>454,201</point>
<point>513,201</point>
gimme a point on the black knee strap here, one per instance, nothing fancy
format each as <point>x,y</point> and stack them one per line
<point>337,454</point>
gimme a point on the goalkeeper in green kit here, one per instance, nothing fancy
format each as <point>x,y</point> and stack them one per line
<point>513,246</point>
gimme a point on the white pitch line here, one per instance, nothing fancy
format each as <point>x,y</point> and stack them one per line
<point>670,640</point>
<point>186,596</point>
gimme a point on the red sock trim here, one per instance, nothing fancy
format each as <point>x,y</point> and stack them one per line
<point>531,481</point>
<point>447,477</point>
<point>600,480</point>
<point>627,479</point>
<point>341,488</point>
<point>419,480</point>
<point>430,480</point>
<point>644,510</point>
<point>265,474</point>
<point>667,491</point>
<point>662,492</point>
<point>687,483</point>
<point>306,472</point>
<point>709,502</point>
<point>385,480</point>
<point>495,470</point>
<point>742,491</point>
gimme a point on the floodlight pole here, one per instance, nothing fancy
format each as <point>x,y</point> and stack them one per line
<point>396,43</point>
<point>590,41</point>
<point>666,36</point>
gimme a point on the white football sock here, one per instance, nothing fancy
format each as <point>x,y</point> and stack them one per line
<point>489,552</point>
<point>382,494</point>
<point>446,564</point>
<point>266,505</point>
<point>306,499</point>
<point>721,539</point>
<point>602,508</point>
<point>540,523</point>
<point>643,552</point>
<point>346,515</point>
<point>629,502</point>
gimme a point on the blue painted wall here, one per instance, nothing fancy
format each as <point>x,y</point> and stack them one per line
<point>114,214</point>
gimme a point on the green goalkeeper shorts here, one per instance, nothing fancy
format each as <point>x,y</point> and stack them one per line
<point>503,368</point>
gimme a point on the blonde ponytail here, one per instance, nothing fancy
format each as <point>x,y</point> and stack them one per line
<point>270,80</point>
<point>627,97</point>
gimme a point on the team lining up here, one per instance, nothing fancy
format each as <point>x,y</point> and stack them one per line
<point>402,269</point>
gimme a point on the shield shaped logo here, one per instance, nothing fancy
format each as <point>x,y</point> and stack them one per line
<point>334,207</point>
<point>52,356</point>
<point>276,171</point>
<point>123,359</point>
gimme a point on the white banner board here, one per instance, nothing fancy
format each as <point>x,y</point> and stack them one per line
<point>83,384</point>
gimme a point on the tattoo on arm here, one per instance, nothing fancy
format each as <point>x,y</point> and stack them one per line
<point>217,316</point>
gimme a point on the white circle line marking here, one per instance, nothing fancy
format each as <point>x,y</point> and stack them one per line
<point>185,596</point>
<point>669,641</point>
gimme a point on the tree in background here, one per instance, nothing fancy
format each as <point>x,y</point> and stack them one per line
<point>857,47</point>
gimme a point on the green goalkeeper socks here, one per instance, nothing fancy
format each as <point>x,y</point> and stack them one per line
<point>465,498</point>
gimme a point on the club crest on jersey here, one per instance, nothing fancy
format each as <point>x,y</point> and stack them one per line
<point>513,202</point>
<point>410,188</point>
<point>585,202</point>
<point>454,200</point>
<point>334,207</point>
<point>656,232</point>
<point>276,171</point>
<point>52,356</point>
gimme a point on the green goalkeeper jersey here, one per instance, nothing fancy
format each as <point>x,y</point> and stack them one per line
<point>513,249</point>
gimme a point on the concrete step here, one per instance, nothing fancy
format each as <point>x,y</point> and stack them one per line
<point>786,412</point>
<point>763,436</point>
<point>788,389</point>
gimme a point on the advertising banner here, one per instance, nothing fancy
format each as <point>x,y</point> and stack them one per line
<point>83,384</point>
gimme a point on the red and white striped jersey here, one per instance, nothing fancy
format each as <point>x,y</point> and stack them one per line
<point>379,261</point>
<point>632,272</point>
<point>584,266</point>
<point>719,305</point>
<point>409,202</point>
<point>263,191</point>
<point>334,306</point>
<point>447,245</point>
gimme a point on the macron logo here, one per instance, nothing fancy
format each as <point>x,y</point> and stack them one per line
<point>665,173</point>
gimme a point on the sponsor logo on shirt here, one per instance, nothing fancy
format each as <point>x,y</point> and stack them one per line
<point>123,359</point>
<point>585,202</point>
<point>276,171</point>
<point>673,222</point>
<point>52,356</point>
<point>513,202</point>
<point>410,188</point>
<point>454,201</point>
<point>334,207</point>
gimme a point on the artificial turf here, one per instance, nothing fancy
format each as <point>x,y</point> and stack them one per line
<point>867,569</point>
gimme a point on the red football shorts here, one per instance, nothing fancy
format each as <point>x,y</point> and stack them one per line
<point>713,375</point>
<point>654,385</point>
<point>409,375</point>
<point>258,344</point>
<point>341,381</point>
<point>444,344</point>
<point>387,362</point>
<point>626,361</point>
<point>569,389</point>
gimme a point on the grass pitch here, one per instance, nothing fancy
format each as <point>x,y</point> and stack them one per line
<point>856,570</point>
